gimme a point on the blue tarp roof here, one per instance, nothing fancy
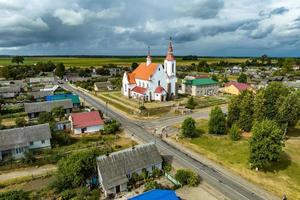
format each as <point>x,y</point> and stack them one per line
<point>156,194</point>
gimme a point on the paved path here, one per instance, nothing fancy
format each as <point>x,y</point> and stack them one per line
<point>32,171</point>
<point>224,184</point>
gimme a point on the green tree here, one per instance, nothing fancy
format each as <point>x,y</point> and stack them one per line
<point>17,59</point>
<point>265,144</point>
<point>215,78</point>
<point>58,112</point>
<point>28,157</point>
<point>75,169</point>
<point>217,121</point>
<point>233,110</point>
<point>273,92</point>
<point>259,108</point>
<point>246,111</point>
<point>45,117</point>
<point>188,128</point>
<point>111,128</point>
<point>191,103</point>
<point>14,195</point>
<point>60,70</point>
<point>289,110</point>
<point>134,65</point>
<point>234,133</point>
<point>187,177</point>
<point>20,121</point>
<point>242,78</point>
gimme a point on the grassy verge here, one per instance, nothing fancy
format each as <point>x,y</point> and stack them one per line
<point>283,178</point>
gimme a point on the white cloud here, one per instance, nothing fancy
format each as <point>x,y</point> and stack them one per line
<point>69,17</point>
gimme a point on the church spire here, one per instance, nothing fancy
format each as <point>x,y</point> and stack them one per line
<point>148,57</point>
<point>170,55</point>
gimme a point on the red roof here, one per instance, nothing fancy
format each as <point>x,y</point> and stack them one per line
<point>86,119</point>
<point>159,89</point>
<point>239,86</point>
<point>170,56</point>
<point>143,72</point>
<point>139,90</point>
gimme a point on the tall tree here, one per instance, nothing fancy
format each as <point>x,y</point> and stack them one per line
<point>134,66</point>
<point>273,92</point>
<point>242,78</point>
<point>265,144</point>
<point>259,109</point>
<point>17,59</point>
<point>289,110</point>
<point>246,111</point>
<point>233,110</point>
<point>217,121</point>
<point>188,128</point>
<point>60,70</point>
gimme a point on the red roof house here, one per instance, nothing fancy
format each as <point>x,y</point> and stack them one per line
<point>86,122</point>
<point>236,88</point>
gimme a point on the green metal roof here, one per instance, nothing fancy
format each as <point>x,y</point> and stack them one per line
<point>200,81</point>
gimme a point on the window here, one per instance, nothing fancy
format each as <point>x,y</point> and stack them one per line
<point>172,67</point>
<point>31,143</point>
<point>17,150</point>
<point>159,69</point>
<point>158,83</point>
<point>125,87</point>
<point>43,141</point>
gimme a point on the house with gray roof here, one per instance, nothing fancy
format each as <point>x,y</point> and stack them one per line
<point>115,169</point>
<point>33,109</point>
<point>14,142</point>
<point>10,91</point>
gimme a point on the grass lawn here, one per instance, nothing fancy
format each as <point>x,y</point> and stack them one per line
<point>203,102</point>
<point>283,178</point>
<point>87,62</point>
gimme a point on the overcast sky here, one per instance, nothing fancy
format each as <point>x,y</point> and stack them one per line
<point>127,27</point>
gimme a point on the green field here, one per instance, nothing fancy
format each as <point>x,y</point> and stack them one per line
<point>284,177</point>
<point>121,61</point>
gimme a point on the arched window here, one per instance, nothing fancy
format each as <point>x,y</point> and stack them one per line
<point>158,84</point>
<point>172,67</point>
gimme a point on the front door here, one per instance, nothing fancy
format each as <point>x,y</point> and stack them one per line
<point>118,189</point>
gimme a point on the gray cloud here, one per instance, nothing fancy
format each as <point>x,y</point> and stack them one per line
<point>128,26</point>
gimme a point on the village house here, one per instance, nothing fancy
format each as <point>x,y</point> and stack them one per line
<point>33,109</point>
<point>44,80</point>
<point>199,86</point>
<point>236,88</point>
<point>86,122</point>
<point>152,81</point>
<point>14,142</point>
<point>115,169</point>
<point>10,91</point>
<point>102,86</point>
<point>56,97</point>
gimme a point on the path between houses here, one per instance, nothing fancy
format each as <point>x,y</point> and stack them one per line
<point>27,172</point>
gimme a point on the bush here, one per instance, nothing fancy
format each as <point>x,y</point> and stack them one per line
<point>67,194</point>
<point>234,133</point>
<point>61,138</point>
<point>28,157</point>
<point>187,177</point>
<point>156,172</point>
<point>14,195</point>
<point>20,122</point>
<point>167,167</point>
<point>191,104</point>
<point>152,185</point>
<point>111,128</point>
<point>217,121</point>
<point>188,128</point>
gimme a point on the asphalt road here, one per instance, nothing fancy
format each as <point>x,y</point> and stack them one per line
<point>226,185</point>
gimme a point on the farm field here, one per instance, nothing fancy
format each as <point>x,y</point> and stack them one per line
<point>123,61</point>
<point>283,178</point>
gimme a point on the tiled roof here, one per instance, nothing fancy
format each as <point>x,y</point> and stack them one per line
<point>159,89</point>
<point>86,119</point>
<point>142,72</point>
<point>200,81</point>
<point>239,86</point>
<point>139,90</point>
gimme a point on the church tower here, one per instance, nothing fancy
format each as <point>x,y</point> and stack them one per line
<point>170,69</point>
<point>148,59</point>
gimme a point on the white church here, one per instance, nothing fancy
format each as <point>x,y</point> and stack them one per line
<point>152,81</point>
